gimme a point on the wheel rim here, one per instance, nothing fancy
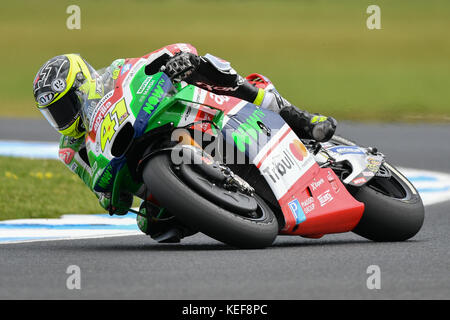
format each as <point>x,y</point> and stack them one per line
<point>258,215</point>
<point>391,186</point>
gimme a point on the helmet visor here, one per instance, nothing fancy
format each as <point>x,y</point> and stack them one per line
<point>62,113</point>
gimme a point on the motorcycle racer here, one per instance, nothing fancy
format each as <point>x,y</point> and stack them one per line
<point>67,82</point>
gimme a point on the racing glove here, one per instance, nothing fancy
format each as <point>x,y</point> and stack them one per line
<point>181,65</point>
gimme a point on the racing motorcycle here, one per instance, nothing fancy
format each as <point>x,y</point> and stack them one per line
<point>258,181</point>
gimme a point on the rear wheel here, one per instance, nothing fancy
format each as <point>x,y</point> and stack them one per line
<point>393,208</point>
<point>256,228</point>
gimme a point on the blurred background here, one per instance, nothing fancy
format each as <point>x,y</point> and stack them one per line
<point>319,53</point>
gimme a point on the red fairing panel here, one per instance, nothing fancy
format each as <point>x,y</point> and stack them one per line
<point>324,204</point>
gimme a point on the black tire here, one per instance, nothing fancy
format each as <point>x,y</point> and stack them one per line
<point>393,208</point>
<point>194,210</point>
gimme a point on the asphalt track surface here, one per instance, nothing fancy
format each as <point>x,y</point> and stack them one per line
<point>334,267</point>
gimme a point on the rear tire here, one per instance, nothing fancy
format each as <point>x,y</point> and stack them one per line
<point>393,208</point>
<point>194,210</point>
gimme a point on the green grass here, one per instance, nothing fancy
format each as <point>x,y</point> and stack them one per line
<point>42,189</point>
<point>319,53</point>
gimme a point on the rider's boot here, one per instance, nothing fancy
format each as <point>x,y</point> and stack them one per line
<point>160,225</point>
<point>305,125</point>
<point>309,126</point>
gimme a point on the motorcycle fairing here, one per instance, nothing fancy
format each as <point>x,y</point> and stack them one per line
<point>313,200</point>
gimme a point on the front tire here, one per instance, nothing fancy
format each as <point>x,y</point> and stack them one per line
<point>194,210</point>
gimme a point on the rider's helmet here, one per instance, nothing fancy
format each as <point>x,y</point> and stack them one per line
<point>60,87</point>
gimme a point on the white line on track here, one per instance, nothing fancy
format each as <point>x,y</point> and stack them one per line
<point>68,227</point>
<point>433,187</point>
<point>29,149</point>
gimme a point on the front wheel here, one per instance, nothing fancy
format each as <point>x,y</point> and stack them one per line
<point>257,229</point>
<point>393,208</point>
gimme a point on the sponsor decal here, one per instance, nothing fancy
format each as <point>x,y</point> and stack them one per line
<point>330,176</point>
<point>219,99</point>
<point>368,174</point>
<point>155,98</point>
<point>317,184</point>
<point>298,149</point>
<point>100,115</point>
<point>247,130</point>
<point>121,111</point>
<point>106,177</point>
<point>203,115</point>
<point>187,113</point>
<point>291,157</point>
<point>278,164</point>
<point>100,111</point>
<point>125,68</point>
<point>335,186</point>
<point>45,98</point>
<point>308,205</point>
<point>297,211</point>
<point>147,84</point>
<point>134,66</point>
<point>360,180</point>
<point>74,167</point>
<point>347,150</point>
<point>58,85</point>
<point>280,168</point>
<point>115,74</point>
<point>66,155</point>
<point>325,198</point>
<point>210,87</point>
<point>373,164</point>
<point>98,88</point>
